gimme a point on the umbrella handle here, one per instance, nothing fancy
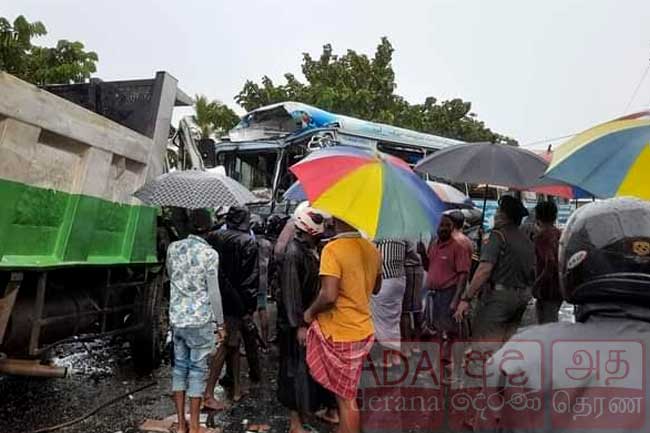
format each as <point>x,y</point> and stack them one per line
<point>480,230</point>
<point>485,193</point>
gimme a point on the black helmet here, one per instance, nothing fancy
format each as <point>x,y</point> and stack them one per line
<point>257,224</point>
<point>605,253</point>
<point>275,223</point>
<point>238,218</point>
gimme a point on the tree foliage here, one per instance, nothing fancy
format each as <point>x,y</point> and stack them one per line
<point>356,85</point>
<point>212,117</point>
<point>66,62</point>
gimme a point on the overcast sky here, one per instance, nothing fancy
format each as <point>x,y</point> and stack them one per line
<point>532,69</point>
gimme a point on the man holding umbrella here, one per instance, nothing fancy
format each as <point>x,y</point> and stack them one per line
<point>192,266</point>
<point>341,331</point>
<point>380,195</point>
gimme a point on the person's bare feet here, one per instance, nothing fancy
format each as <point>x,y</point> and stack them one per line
<point>330,416</point>
<point>237,397</point>
<point>180,427</point>
<point>211,403</point>
<point>202,429</point>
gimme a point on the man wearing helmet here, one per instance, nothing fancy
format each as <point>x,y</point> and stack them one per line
<point>299,285</point>
<point>600,362</point>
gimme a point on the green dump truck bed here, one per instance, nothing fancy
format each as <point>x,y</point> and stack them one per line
<point>66,179</point>
<point>44,227</point>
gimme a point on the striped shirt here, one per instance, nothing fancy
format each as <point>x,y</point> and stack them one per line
<point>393,253</point>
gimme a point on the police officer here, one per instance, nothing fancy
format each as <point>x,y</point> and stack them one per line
<point>592,374</point>
<point>507,266</point>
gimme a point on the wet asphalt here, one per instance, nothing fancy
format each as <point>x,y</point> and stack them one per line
<point>103,371</point>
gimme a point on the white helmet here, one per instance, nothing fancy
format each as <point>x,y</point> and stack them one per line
<point>302,206</point>
<point>310,220</point>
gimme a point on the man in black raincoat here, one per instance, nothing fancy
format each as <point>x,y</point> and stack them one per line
<point>238,282</point>
<point>299,285</point>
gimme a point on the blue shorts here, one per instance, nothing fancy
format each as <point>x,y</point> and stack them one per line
<point>262,301</point>
<point>192,347</point>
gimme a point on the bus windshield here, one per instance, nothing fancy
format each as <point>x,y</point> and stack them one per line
<point>253,169</point>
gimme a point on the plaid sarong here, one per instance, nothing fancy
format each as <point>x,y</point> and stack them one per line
<point>336,365</point>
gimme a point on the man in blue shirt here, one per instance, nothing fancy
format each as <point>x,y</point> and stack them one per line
<point>195,304</point>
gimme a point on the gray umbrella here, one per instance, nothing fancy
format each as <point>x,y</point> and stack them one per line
<point>485,163</point>
<point>195,189</point>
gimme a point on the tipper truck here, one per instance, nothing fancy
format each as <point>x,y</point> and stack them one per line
<point>80,258</point>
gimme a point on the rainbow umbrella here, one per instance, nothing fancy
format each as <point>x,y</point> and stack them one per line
<point>452,198</point>
<point>612,159</point>
<point>373,192</point>
<point>554,187</point>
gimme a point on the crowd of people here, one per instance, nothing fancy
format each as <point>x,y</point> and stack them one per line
<point>341,298</point>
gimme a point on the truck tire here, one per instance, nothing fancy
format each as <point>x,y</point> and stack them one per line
<point>148,344</point>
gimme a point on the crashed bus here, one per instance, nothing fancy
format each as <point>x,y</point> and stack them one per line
<point>269,140</point>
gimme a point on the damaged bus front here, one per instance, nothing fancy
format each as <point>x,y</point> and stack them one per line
<point>269,140</point>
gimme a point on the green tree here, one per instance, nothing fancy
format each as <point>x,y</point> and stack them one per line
<point>67,62</point>
<point>223,119</point>
<point>202,117</point>
<point>212,117</point>
<point>356,85</point>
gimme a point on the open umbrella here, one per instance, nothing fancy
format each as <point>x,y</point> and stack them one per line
<point>484,163</point>
<point>374,192</point>
<point>450,196</point>
<point>295,193</point>
<point>611,159</point>
<point>194,189</point>
<point>554,187</point>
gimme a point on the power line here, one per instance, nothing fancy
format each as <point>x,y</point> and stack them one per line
<point>636,90</point>
<point>627,107</point>
<point>547,140</point>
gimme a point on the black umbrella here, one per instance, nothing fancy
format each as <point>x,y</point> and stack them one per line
<point>485,163</point>
<point>194,190</point>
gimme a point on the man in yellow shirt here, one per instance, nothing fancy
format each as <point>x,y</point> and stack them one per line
<point>341,331</point>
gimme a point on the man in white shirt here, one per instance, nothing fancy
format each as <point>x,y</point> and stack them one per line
<point>195,304</point>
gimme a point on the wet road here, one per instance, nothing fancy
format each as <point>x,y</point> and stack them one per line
<point>30,404</point>
<point>103,372</point>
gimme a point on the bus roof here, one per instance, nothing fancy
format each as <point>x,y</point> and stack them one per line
<point>287,119</point>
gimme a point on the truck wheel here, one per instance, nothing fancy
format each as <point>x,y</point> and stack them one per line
<point>148,344</point>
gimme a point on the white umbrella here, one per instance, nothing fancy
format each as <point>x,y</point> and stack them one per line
<point>194,189</point>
